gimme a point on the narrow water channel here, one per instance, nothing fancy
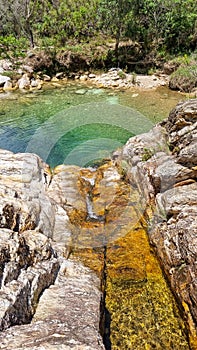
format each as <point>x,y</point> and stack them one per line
<point>138,310</point>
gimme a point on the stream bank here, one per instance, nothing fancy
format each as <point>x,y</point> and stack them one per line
<point>114,78</point>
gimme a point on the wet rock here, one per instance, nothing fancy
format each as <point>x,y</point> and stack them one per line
<point>80,91</point>
<point>70,204</point>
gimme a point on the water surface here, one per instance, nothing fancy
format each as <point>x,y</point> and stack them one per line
<point>78,124</point>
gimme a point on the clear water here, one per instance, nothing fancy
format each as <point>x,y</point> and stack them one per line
<point>78,124</point>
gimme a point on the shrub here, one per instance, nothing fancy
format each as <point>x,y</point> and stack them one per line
<point>184,78</point>
<point>11,47</point>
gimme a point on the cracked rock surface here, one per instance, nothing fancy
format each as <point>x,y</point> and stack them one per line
<point>66,318</point>
<point>46,300</point>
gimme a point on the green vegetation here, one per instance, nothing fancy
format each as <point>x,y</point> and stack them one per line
<point>184,78</point>
<point>129,30</point>
<point>148,153</point>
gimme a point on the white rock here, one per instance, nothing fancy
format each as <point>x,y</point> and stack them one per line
<point>7,86</point>
<point>59,75</point>
<point>91,76</point>
<point>6,64</point>
<point>3,79</point>
<point>46,77</point>
<point>83,77</point>
<point>27,69</point>
<point>24,82</point>
<point>34,83</point>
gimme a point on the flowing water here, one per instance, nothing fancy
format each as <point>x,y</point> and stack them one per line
<point>82,125</point>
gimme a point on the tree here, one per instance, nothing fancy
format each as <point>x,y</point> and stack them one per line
<point>114,14</point>
<point>163,23</point>
<point>18,17</point>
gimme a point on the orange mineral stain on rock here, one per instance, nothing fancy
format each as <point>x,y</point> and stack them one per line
<point>113,242</point>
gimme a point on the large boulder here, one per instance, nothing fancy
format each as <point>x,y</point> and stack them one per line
<point>23,201</point>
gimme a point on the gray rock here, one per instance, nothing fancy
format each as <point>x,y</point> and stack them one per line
<point>28,266</point>
<point>5,64</point>
<point>32,200</point>
<point>23,201</point>
<point>27,68</point>
<point>67,316</point>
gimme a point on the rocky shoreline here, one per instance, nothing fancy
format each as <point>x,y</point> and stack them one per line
<point>49,300</point>
<point>26,79</point>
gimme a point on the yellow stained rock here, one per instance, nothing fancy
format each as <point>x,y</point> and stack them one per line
<point>142,311</point>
